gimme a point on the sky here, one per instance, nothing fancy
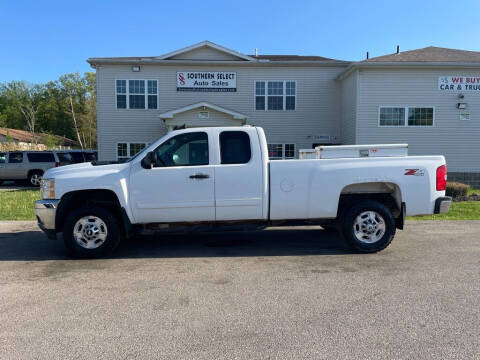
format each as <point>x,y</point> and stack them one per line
<point>41,40</point>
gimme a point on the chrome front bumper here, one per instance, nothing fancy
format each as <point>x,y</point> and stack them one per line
<point>45,211</point>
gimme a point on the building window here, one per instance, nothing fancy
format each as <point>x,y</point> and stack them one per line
<point>275,95</point>
<point>139,94</point>
<point>291,91</point>
<point>420,116</point>
<point>289,151</point>
<point>260,95</point>
<point>127,150</point>
<point>121,94</point>
<point>393,116</point>
<point>281,151</point>
<point>152,94</point>
<point>406,116</point>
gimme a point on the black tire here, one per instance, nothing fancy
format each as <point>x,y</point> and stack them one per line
<point>348,226</point>
<point>34,178</point>
<point>110,243</point>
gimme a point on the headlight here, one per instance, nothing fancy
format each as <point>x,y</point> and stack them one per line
<point>47,188</point>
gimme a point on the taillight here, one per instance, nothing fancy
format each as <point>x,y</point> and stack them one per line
<point>442,178</point>
<point>57,164</point>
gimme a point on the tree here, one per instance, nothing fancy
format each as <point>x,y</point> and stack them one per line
<point>91,108</point>
<point>65,107</point>
<point>25,98</point>
<point>74,88</point>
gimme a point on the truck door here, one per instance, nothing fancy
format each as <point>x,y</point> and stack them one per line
<point>239,177</point>
<point>180,186</point>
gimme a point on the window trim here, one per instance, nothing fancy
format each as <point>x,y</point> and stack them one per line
<point>406,107</point>
<point>265,96</point>
<point>147,144</point>
<point>127,93</point>
<point>283,151</point>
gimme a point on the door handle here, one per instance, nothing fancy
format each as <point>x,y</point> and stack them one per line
<point>199,176</point>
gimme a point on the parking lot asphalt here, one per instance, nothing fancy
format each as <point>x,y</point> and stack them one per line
<point>286,293</point>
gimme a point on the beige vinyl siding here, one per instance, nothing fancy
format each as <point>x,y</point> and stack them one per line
<point>349,109</point>
<point>456,139</point>
<point>215,118</point>
<point>318,103</point>
<point>205,53</point>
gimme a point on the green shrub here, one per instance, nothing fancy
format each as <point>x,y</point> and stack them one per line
<point>455,189</point>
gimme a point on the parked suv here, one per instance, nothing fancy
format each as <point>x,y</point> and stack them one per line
<point>29,166</point>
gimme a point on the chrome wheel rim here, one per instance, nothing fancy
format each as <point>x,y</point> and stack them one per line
<point>369,227</point>
<point>35,180</point>
<point>90,232</point>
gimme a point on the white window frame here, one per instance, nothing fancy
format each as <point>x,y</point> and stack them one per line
<point>145,94</point>
<point>405,107</point>
<point>147,144</point>
<point>283,151</point>
<point>266,94</point>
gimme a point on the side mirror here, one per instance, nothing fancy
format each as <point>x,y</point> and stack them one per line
<point>149,160</point>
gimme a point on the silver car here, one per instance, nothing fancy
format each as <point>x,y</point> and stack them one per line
<point>29,166</point>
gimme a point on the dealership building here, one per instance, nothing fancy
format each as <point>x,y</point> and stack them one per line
<point>428,98</point>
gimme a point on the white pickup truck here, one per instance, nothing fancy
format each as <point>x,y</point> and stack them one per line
<point>222,178</point>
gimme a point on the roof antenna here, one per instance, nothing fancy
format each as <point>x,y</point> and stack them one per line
<point>367,55</point>
<point>256,52</point>
<point>398,49</point>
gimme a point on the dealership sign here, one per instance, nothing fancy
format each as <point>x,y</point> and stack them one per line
<point>459,83</point>
<point>221,81</point>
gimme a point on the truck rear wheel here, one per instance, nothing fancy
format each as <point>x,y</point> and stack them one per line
<point>91,232</point>
<point>368,226</point>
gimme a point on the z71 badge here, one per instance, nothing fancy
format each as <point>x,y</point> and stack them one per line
<point>415,172</point>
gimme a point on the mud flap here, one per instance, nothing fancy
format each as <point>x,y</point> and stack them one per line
<point>400,219</point>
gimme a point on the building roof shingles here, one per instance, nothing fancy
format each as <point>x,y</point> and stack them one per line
<point>26,136</point>
<point>429,54</point>
<point>259,57</point>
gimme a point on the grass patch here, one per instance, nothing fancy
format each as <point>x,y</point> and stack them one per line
<point>473,191</point>
<point>465,210</point>
<point>18,204</point>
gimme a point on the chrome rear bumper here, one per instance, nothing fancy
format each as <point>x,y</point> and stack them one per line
<point>442,205</point>
<point>45,211</point>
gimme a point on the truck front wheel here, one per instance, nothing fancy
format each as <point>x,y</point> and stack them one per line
<point>368,226</point>
<point>91,232</point>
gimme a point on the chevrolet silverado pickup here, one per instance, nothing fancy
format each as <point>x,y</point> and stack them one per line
<point>221,178</point>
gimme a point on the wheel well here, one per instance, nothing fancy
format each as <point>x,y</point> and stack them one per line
<point>75,199</point>
<point>347,200</point>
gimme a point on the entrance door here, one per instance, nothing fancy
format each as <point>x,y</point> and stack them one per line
<point>180,186</point>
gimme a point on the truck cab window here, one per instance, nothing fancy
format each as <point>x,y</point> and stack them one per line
<point>3,158</point>
<point>188,149</point>
<point>235,147</point>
